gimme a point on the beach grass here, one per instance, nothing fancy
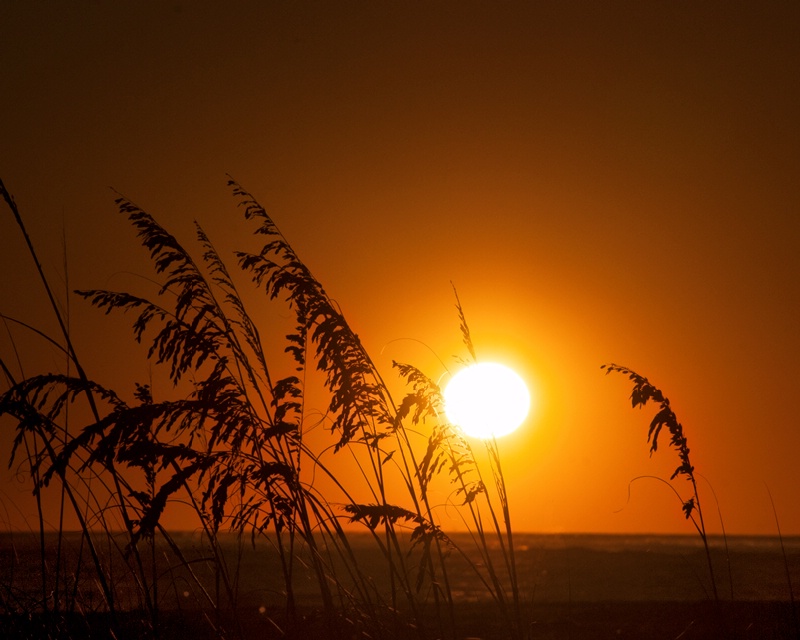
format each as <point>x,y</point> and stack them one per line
<point>281,543</point>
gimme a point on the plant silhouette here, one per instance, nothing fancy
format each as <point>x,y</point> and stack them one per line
<point>642,393</point>
<point>234,445</point>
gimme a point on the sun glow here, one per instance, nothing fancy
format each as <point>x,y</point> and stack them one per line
<point>486,399</point>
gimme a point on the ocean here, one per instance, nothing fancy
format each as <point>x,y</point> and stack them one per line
<point>552,568</point>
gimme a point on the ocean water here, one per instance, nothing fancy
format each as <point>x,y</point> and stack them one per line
<point>597,568</point>
<point>552,568</point>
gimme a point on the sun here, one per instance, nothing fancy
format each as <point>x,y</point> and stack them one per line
<point>486,399</point>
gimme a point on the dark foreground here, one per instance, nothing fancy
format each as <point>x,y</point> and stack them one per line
<point>577,621</point>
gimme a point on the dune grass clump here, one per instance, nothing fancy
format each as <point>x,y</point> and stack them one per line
<point>231,439</point>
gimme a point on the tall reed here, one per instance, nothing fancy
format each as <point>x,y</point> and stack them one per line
<point>232,440</point>
<point>644,392</point>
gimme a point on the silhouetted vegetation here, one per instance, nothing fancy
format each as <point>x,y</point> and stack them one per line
<point>233,446</point>
<point>644,392</point>
<point>231,441</point>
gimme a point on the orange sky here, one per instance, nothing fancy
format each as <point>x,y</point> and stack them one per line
<point>602,181</point>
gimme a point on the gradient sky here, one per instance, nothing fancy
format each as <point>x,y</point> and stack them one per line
<point>615,181</point>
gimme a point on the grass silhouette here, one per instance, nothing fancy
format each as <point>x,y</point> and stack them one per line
<point>644,392</point>
<point>234,446</point>
<point>233,440</point>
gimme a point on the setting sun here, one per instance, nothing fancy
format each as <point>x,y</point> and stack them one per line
<point>486,399</point>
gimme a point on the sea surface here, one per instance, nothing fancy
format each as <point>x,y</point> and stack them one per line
<point>552,568</point>
<point>597,568</point>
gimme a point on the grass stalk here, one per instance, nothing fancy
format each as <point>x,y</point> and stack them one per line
<point>795,619</point>
<point>9,200</point>
<point>644,392</point>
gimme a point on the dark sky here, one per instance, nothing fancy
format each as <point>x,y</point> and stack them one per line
<point>611,181</point>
